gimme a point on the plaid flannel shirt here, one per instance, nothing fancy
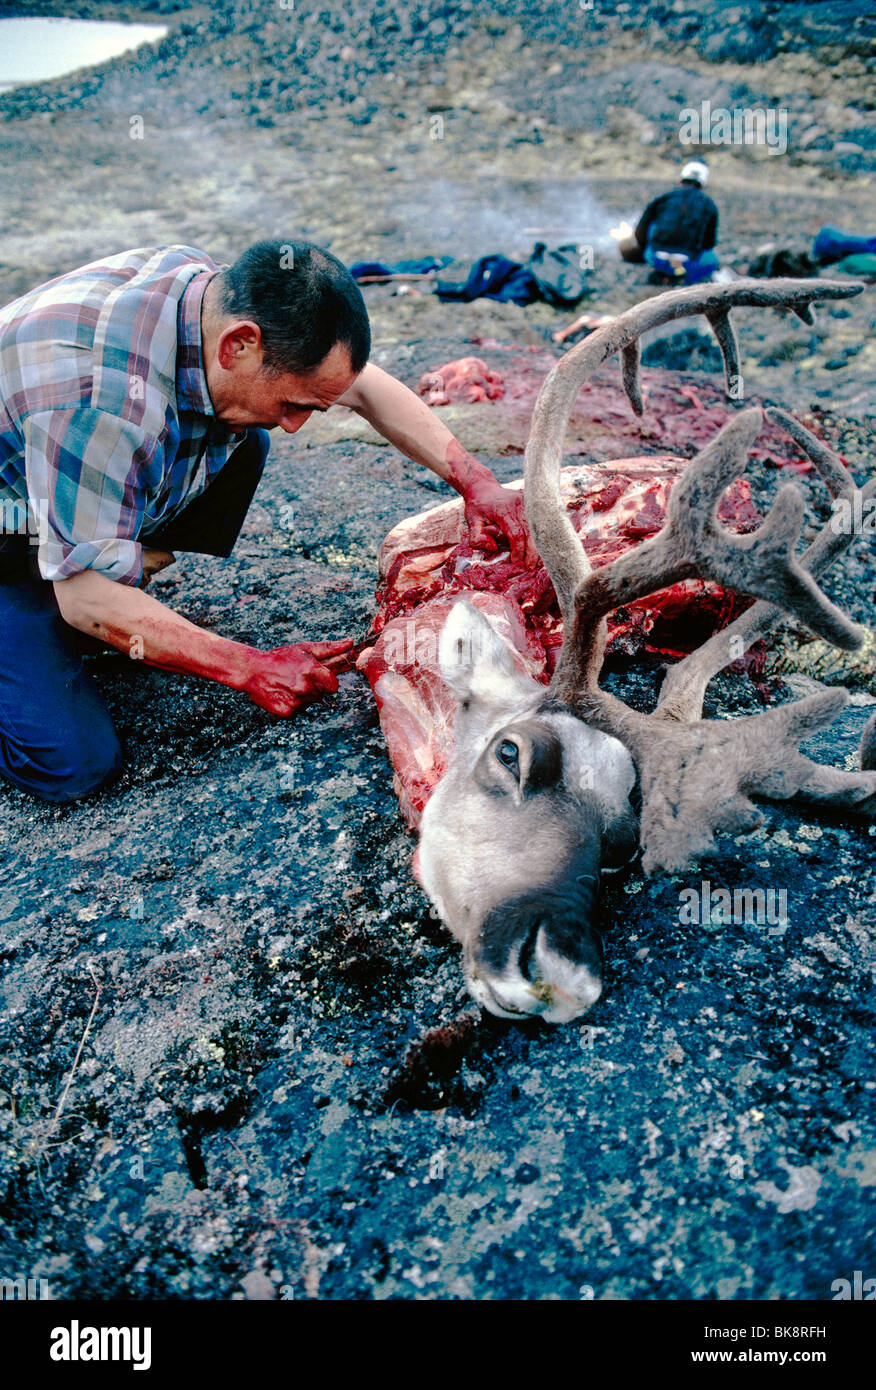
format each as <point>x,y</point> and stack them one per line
<point>106,425</point>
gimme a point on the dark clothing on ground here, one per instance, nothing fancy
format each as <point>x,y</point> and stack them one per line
<point>553,274</point>
<point>423,266</point>
<point>684,219</point>
<point>493,277</point>
<point>832,245</point>
<point>784,261</point>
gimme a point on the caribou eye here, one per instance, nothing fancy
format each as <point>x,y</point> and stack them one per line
<point>509,754</point>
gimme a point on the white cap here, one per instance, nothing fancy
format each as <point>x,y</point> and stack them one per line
<point>696,170</point>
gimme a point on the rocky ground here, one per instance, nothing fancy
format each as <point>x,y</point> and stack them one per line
<point>282,1091</point>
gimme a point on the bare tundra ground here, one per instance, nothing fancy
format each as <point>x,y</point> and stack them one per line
<point>282,1091</point>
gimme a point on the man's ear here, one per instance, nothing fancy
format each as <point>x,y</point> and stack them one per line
<point>475,662</point>
<point>238,339</point>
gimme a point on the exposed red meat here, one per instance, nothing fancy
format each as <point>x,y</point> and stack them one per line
<point>682,411</point>
<point>466,379</point>
<point>426,561</point>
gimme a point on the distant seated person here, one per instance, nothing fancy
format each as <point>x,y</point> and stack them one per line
<point>677,231</point>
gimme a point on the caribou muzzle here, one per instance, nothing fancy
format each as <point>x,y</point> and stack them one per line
<point>538,954</point>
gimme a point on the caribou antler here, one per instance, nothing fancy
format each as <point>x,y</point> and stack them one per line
<point>684,687</point>
<point>697,775</point>
<point>554,534</point>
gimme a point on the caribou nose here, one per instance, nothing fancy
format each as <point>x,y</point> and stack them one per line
<point>538,956</point>
<point>547,999</point>
<point>526,956</point>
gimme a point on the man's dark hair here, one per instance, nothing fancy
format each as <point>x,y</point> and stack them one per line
<point>303,299</point>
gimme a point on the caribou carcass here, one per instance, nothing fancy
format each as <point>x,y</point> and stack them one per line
<point>543,788</point>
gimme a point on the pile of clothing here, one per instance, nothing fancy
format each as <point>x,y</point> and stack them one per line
<point>847,253</point>
<point>842,251</point>
<point>552,274</point>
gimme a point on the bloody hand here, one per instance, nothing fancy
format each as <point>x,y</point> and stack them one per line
<point>287,678</point>
<point>489,506</point>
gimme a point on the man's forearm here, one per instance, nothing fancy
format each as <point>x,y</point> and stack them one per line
<point>408,423</point>
<point>146,630</point>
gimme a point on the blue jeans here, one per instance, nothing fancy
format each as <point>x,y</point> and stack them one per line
<point>56,736</point>
<point>695,268</point>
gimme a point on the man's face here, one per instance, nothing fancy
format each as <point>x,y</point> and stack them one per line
<point>244,393</point>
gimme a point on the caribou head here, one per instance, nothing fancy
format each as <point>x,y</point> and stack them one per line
<point>548,788</point>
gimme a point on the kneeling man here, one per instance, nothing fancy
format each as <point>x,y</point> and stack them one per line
<point>135,396</point>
